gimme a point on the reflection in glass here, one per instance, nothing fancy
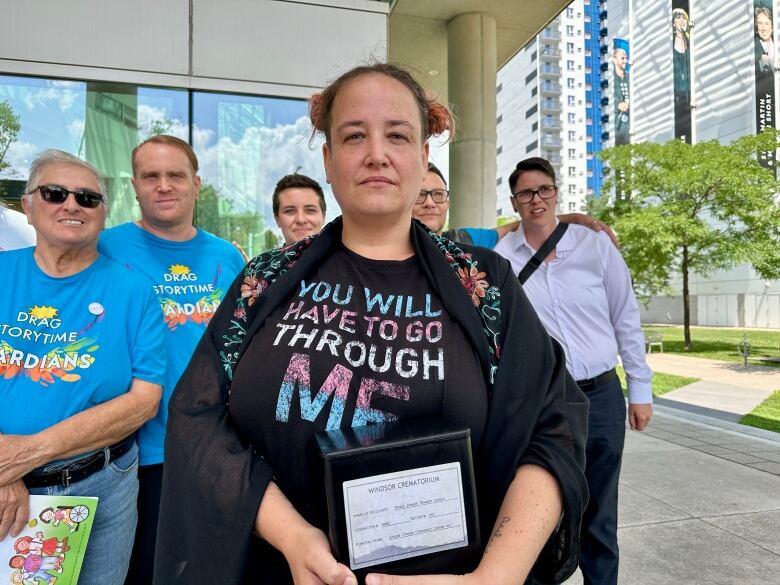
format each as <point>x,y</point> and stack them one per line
<point>100,122</point>
<point>245,144</point>
<point>110,134</point>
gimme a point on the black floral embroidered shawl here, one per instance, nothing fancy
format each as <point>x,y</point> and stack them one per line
<point>214,481</point>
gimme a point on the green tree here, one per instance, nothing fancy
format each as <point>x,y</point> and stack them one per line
<point>158,127</point>
<point>9,131</point>
<point>215,214</point>
<point>684,208</point>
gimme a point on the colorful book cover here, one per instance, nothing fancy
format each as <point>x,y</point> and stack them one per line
<point>51,547</point>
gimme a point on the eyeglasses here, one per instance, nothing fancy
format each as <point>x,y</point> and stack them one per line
<point>437,195</point>
<point>57,194</point>
<point>527,195</point>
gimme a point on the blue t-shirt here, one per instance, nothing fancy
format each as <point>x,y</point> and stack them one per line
<point>67,344</point>
<point>189,278</point>
<point>487,238</point>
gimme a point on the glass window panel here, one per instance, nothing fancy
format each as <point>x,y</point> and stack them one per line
<point>99,122</point>
<point>51,115</point>
<point>245,144</point>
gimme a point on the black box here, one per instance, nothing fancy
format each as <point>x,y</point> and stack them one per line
<point>375,450</point>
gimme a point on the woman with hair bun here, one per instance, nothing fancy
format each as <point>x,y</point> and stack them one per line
<point>327,334</point>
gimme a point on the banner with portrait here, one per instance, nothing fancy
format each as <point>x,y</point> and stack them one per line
<point>681,58</point>
<point>765,62</point>
<point>621,114</point>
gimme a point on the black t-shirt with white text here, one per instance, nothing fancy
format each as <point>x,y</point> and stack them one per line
<point>361,341</point>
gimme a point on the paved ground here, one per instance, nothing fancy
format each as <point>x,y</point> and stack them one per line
<point>699,503</point>
<point>700,494</point>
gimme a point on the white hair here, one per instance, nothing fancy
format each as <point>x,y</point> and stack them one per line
<point>53,156</point>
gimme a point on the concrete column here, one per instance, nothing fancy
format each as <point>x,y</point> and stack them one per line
<point>471,47</point>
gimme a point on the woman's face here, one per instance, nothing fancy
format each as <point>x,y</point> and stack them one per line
<point>538,211</point>
<point>66,225</point>
<point>680,22</point>
<point>763,26</point>
<point>375,158</point>
<point>300,214</point>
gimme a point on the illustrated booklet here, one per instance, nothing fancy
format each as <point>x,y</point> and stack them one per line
<point>50,549</point>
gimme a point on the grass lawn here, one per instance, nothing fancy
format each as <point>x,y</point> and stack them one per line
<point>766,415</point>
<point>720,343</point>
<point>662,383</point>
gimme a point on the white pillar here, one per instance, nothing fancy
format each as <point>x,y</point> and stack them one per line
<point>472,64</point>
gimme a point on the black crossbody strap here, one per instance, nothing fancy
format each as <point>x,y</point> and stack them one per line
<point>536,260</point>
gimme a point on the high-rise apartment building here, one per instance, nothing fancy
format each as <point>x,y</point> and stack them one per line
<point>596,100</point>
<point>549,105</point>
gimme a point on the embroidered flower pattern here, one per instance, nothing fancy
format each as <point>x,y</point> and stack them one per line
<point>261,272</point>
<point>252,288</point>
<point>474,282</point>
<point>486,298</point>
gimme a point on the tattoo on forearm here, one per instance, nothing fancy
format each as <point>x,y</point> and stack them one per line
<point>497,532</point>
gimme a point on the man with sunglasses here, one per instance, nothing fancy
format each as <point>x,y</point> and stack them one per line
<point>81,363</point>
<point>190,270</point>
<point>433,204</point>
<point>581,290</point>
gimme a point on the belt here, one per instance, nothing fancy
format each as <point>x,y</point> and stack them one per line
<point>79,469</point>
<point>591,383</point>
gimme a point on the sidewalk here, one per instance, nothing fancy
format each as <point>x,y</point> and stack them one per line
<point>726,390</point>
<point>699,503</point>
<point>699,493</point>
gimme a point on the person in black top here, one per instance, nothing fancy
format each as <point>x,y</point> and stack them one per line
<point>373,320</point>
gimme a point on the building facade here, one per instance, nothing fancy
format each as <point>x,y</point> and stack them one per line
<point>232,78</point>
<point>548,106</point>
<point>612,72</point>
<point>696,72</point>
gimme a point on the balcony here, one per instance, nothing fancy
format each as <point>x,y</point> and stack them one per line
<point>550,54</point>
<point>551,141</point>
<point>548,88</point>
<point>550,70</point>
<point>551,106</point>
<point>550,35</point>
<point>551,124</point>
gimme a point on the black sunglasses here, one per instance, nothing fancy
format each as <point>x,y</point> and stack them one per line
<point>57,194</point>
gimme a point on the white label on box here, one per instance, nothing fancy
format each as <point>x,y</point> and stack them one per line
<point>404,514</point>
